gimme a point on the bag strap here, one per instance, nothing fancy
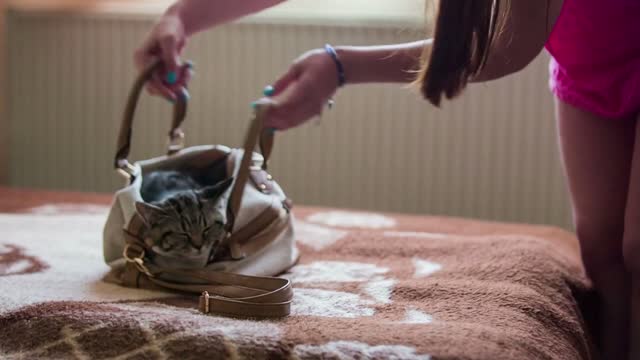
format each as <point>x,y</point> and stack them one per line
<point>176,135</point>
<point>255,134</point>
<point>221,292</point>
<point>237,295</point>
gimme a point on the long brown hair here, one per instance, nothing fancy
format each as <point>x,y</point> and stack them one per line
<point>463,35</point>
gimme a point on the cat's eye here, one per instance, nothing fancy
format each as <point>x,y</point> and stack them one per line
<point>171,240</point>
<point>180,238</point>
<point>164,243</point>
<point>166,246</point>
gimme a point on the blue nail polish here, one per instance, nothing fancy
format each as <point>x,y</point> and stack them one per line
<point>172,78</point>
<point>190,64</point>
<point>271,130</point>
<point>173,101</point>
<point>254,105</point>
<point>269,90</point>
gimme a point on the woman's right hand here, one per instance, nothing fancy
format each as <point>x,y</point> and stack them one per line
<point>303,91</point>
<point>166,41</point>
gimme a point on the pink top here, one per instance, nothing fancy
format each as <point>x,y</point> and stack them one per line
<point>595,46</point>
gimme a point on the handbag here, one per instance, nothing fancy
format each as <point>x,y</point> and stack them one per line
<point>259,228</point>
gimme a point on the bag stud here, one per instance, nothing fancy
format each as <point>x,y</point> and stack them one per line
<point>205,295</point>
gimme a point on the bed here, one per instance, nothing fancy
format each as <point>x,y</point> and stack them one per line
<point>368,286</point>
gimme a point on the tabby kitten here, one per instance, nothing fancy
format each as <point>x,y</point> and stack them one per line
<point>185,222</point>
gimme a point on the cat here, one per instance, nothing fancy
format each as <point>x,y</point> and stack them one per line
<point>185,222</point>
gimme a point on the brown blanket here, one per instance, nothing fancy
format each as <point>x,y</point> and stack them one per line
<point>369,286</point>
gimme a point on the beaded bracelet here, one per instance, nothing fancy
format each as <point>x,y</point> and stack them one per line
<point>334,55</point>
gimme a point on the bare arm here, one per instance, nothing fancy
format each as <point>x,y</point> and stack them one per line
<point>522,37</point>
<point>303,91</point>
<point>198,15</point>
<point>388,63</point>
<point>170,34</point>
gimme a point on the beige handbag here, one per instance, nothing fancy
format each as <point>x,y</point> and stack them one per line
<point>260,234</point>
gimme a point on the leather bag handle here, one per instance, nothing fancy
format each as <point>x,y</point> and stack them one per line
<point>176,135</point>
<point>256,135</point>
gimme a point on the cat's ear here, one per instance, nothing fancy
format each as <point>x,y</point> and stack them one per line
<point>149,213</point>
<point>215,191</point>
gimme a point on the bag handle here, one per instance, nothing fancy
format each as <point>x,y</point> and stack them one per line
<point>256,134</point>
<point>176,135</point>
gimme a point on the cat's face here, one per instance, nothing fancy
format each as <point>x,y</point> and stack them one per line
<point>185,230</point>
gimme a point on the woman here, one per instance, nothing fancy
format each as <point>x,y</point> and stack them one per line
<point>595,76</point>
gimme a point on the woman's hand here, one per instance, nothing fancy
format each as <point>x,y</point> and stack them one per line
<point>166,41</point>
<point>312,80</point>
<point>169,36</point>
<point>303,91</point>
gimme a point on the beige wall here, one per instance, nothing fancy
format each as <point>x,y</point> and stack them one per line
<point>491,155</point>
<point>4,120</point>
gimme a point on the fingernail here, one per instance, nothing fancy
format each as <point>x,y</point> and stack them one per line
<point>172,77</point>
<point>268,90</point>
<point>171,100</point>
<point>271,130</point>
<point>190,64</point>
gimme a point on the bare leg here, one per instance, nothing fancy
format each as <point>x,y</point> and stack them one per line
<point>632,247</point>
<point>634,339</point>
<point>597,154</point>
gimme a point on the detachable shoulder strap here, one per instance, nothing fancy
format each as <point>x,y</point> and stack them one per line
<point>221,292</point>
<point>237,295</point>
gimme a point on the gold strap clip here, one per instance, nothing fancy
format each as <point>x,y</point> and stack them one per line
<point>138,261</point>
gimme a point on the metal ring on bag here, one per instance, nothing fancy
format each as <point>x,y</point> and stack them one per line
<point>127,170</point>
<point>138,261</point>
<point>176,142</point>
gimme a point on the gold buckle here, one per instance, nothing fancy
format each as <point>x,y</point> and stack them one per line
<point>138,261</point>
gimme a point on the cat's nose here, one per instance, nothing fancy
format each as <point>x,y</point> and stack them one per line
<point>197,241</point>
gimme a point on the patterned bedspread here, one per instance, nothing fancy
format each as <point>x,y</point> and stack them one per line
<point>368,286</point>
